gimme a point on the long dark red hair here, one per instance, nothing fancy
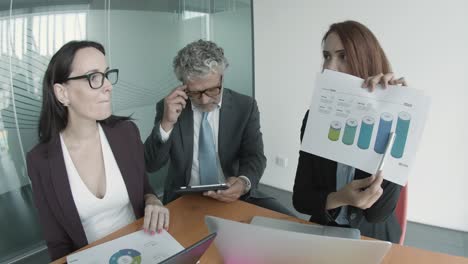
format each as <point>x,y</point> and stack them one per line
<point>363,52</point>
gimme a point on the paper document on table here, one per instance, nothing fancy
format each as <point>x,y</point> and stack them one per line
<point>134,248</point>
<point>351,125</point>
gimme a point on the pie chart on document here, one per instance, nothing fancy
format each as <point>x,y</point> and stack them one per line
<point>126,256</point>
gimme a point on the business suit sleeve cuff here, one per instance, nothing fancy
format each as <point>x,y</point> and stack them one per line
<point>248,184</point>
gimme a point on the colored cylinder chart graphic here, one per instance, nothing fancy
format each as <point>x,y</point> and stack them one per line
<point>127,256</point>
<point>401,132</point>
<point>350,131</point>
<point>365,134</point>
<point>385,126</point>
<point>335,130</point>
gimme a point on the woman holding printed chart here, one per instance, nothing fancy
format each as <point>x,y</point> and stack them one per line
<point>334,193</point>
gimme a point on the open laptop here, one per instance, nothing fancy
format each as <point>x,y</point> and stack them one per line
<point>192,254</point>
<point>245,243</point>
<point>320,230</point>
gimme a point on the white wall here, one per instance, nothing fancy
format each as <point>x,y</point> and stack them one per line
<point>426,41</point>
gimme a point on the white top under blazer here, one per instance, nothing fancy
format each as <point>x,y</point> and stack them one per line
<point>100,217</point>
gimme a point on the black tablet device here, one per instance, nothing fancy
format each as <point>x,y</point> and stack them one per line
<point>201,188</point>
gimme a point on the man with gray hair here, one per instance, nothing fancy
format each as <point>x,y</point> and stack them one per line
<point>210,134</point>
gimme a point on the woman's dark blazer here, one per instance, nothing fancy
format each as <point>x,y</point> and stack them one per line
<point>61,225</point>
<point>316,178</point>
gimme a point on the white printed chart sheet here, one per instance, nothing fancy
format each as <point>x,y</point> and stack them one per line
<point>135,248</point>
<point>351,125</point>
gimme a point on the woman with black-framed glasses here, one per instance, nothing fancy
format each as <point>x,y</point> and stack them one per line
<point>88,171</point>
<point>96,79</point>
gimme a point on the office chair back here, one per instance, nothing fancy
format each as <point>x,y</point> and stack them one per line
<point>401,212</point>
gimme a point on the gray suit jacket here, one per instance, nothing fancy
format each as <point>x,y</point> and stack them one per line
<point>240,144</point>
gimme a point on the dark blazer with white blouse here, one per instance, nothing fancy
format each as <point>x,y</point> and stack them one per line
<point>58,215</point>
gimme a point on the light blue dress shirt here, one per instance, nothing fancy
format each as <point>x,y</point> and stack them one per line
<point>344,175</point>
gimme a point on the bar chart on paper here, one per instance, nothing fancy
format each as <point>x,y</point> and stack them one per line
<point>351,125</point>
<point>366,129</point>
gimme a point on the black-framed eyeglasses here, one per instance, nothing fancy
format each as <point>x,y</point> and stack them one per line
<point>96,79</point>
<point>211,92</point>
